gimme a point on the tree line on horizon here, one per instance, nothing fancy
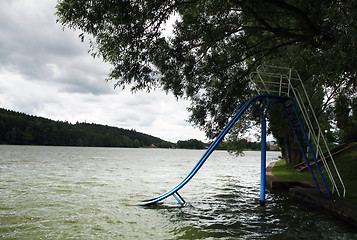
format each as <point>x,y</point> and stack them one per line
<point>22,129</point>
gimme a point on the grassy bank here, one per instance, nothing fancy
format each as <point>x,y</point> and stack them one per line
<point>346,163</point>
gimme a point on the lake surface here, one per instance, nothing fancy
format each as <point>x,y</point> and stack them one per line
<point>90,193</point>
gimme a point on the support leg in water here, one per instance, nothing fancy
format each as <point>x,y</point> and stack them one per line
<point>263,152</point>
<point>262,98</point>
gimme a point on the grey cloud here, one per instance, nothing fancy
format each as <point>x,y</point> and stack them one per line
<point>47,72</point>
<point>31,41</point>
<point>79,81</point>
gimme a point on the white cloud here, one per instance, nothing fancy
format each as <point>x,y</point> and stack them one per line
<point>47,72</point>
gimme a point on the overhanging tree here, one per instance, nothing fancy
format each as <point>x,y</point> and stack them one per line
<point>216,44</point>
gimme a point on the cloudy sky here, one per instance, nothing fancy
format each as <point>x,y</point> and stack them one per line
<point>47,72</point>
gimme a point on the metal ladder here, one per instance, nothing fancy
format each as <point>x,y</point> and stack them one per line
<point>287,82</point>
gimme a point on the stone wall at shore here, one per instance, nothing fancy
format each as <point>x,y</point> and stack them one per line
<point>306,192</point>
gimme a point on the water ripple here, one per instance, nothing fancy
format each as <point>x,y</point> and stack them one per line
<point>88,193</point>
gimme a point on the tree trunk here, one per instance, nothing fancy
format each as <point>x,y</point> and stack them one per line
<point>290,150</point>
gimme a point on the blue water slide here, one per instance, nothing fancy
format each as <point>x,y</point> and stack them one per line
<point>219,138</point>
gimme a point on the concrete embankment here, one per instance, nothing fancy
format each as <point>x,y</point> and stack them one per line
<point>307,193</point>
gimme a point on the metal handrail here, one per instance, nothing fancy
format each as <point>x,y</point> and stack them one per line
<point>323,139</point>
<point>281,87</point>
<point>316,141</point>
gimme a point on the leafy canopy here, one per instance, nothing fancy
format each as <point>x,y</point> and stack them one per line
<point>215,44</point>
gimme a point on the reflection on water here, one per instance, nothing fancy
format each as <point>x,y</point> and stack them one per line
<point>88,193</point>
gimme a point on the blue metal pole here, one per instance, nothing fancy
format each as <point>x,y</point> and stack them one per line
<point>311,150</point>
<point>263,161</point>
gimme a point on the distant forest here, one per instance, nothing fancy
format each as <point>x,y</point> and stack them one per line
<point>22,129</point>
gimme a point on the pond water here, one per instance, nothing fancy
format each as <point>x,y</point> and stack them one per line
<point>90,193</point>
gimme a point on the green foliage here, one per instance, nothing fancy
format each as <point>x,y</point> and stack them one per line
<point>215,46</point>
<point>230,146</point>
<point>236,147</point>
<point>285,171</point>
<point>18,128</point>
<point>346,118</point>
<point>345,162</point>
<point>191,144</point>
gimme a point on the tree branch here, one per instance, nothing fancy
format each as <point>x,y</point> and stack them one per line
<point>297,12</point>
<point>282,32</point>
